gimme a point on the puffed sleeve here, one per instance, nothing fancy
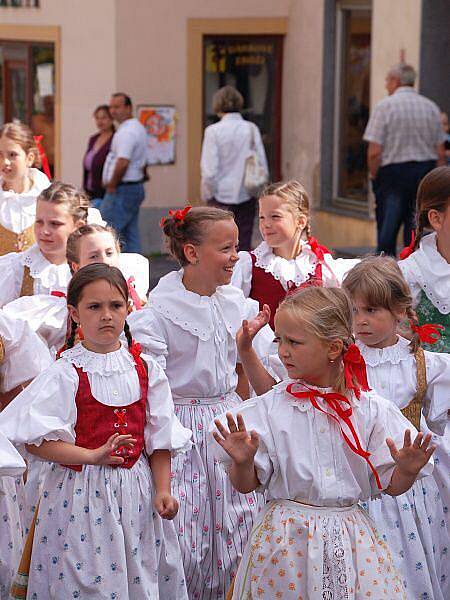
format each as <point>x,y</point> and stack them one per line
<point>26,355</point>
<point>242,273</point>
<point>408,268</point>
<point>437,397</point>
<point>45,410</point>
<point>163,430</point>
<point>11,272</point>
<point>335,269</point>
<point>11,463</point>
<point>146,330</point>
<point>255,417</point>
<point>386,420</point>
<point>45,314</point>
<point>137,266</point>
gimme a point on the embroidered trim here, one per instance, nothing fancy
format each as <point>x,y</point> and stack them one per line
<point>392,354</point>
<point>119,361</point>
<point>304,264</point>
<point>334,580</point>
<point>49,274</point>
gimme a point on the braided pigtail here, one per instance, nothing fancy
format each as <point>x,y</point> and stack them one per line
<point>422,223</point>
<point>414,322</point>
<point>127,332</point>
<point>73,333</point>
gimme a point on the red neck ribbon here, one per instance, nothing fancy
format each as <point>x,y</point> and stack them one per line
<point>408,250</point>
<point>341,406</point>
<point>44,159</point>
<point>133,294</point>
<point>355,369</point>
<point>429,333</point>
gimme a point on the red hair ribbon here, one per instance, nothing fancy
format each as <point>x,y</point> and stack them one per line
<point>355,369</point>
<point>318,249</point>
<point>341,406</point>
<point>38,139</point>
<point>408,250</point>
<point>178,215</point>
<point>133,294</point>
<point>429,333</point>
<point>58,294</point>
<point>135,350</point>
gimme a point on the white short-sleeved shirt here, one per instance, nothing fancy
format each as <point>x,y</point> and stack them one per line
<point>226,146</point>
<point>193,336</point>
<point>297,270</point>
<point>302,454</point>
<point>392,373</point>
<point>18,211</point>
<point>130,142</point>
<point>407,126</point>
<point>46,409</point>
<point>47,277</point>
<point>426,269</point>
<point>11,463</point>
<point>26,355</point>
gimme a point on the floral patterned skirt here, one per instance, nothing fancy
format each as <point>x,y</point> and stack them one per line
<point>11,530</point>
<point>301,552</point>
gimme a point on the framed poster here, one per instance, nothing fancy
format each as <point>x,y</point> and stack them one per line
<point>159,121</point>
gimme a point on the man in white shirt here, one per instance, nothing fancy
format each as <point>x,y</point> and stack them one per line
<point>123,174</point>
<point>226,146</point>
<point>405,142</point>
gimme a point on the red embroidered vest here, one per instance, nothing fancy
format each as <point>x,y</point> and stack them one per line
<point>97,422</point>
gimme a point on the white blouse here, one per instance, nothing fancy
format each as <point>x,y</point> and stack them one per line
<point>426,269</point>
<point>47,276</point>
<point>298,270</point>
<point>26,355</point>
<point>18,211</point>
<point>137,266</point>
<point>46,409</point>
<point>193,336</point>
<point>11,463</point>
<point>392,373</point>
<point>302,454</point>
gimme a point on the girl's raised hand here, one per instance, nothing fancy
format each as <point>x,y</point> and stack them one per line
<point>237,442</point>
<point>166,505</point>
<point>413,456</point>
<point>249,329</point>
<point>103,455</point>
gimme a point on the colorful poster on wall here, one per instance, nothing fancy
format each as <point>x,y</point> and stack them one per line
<point>159,122</point>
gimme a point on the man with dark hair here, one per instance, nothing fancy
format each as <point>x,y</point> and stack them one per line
<point>405,142</point>
<point>123,174</point>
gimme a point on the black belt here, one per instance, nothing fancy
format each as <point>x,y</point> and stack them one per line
<point>130,182</point>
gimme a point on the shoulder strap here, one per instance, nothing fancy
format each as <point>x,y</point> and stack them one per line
<point>2,349</point>
<point>27,288</point>
<point>414,409</point>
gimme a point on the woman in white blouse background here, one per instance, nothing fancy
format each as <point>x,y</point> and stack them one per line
<point>226,146</point>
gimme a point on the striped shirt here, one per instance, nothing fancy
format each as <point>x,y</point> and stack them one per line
<point>407,126</point>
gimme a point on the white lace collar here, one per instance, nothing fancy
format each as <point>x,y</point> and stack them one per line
<point>391,354</point>
<point>432,272</point>
<point>299,385</point>
<point>51,276</point>
<point>193,312</point>
<point>111,363</point>
<point>40,182</point>
<point>297,269</point>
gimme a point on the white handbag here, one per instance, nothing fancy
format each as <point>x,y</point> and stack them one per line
<point>255,174</point>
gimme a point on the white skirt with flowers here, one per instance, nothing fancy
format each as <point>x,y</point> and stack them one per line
<point>11,530</point>
<point>300,552</point>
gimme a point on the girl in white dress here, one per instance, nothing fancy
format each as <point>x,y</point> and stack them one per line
<point>189,326</point>
<point>104,416</point>
<point>288,257</point>
<point>316,443</point>
<point>20,185</point>
<point>413,379</point>
<point>23,356</point>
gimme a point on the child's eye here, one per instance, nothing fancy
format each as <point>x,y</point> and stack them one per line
<point>371,309</point>
<point>276,340</point>
<point>118,305</point>
<point>93,307</point>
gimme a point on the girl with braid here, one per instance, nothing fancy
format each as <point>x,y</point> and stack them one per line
<point>103,414</point>
<point>417,382</point>
<point>288,257</point>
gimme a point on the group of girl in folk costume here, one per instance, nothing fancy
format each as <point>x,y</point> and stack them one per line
<point>156,471</point>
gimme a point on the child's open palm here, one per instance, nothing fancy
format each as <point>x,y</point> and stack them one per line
<point>103,455</point>
<point>414,455</point>
<point>249,329</point>
<point>237,442</point>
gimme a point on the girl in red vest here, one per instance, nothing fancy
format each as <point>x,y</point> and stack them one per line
<point>103,414</point>
<point>288,257</point>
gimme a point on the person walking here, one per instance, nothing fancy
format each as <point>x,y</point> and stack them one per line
<point>226,147</point>
<point>406,141</point>
<point>123,174</point>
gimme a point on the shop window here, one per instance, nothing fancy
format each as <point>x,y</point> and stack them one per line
<point>253,65</point>
<point>27,89</point>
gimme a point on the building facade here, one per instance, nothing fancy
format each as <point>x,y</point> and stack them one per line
<point>309,71</point>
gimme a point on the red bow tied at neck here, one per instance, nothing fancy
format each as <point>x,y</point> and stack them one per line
<point>178,215</point>
<point>341,412</point>
<point>38,139</point>
<point>408,250</point>
<point>318,249</point>
<point>429,333</point>
<point>355,370</point>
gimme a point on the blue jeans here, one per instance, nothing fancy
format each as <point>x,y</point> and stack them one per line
<point>395,189</point>
<point>121,211</point>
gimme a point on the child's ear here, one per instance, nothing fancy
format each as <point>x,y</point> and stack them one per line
<point>31,157</point>
<point>435,219</point>
<point>302,222</point>
<point>190,252</point>
<point>74,315</point>
<point>335,349</point>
